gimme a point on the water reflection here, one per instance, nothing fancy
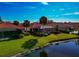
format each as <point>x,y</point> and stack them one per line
<point>77,42</point>
<point>68,48</point>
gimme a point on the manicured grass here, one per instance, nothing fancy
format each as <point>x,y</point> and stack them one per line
<point>42,41</point>
<point>12,47</point>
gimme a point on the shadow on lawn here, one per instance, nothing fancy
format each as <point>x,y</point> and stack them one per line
<point>29,44</point>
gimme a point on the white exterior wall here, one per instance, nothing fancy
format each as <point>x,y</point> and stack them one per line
<point>45,26</point>
<point>74,32</point>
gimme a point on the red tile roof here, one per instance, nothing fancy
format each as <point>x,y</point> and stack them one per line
<point>20,27</point>
<point>66,25</point>
<point>10,25</point>
<point>60,24</point>
<point>35,25</point>
<point>76,26</point>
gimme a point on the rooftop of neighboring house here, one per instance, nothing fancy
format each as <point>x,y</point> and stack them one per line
<point>35,25</point>
<point>53,24</point>
<point>10,25</point>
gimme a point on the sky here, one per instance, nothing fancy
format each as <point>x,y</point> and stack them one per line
<point>32,11</point>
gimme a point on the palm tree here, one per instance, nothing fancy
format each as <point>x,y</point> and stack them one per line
<point>26,24</point>
<point>43,20</point>
<point>16,22</point>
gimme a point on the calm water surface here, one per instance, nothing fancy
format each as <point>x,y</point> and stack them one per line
<point>68,48</point>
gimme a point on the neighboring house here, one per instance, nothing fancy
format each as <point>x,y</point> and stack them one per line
<point>74,32</point>
<point>76,26</point>
<point>8,29</point>
<point>51,27</point>
<point>21,28</point>
<point>34,27</point>
<point>37,27</point>
<point>46,28</point>
<point>65,26</point>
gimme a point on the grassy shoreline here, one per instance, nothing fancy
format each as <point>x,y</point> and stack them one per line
<point>13,47</point>
<point>51,38</point>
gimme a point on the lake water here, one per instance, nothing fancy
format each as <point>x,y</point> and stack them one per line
<point>68,48</point>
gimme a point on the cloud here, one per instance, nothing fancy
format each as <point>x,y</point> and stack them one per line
<point>13,4</point>
<point>62,9</point>
<point>44,3</point>
<point>74,13</point>
<point>30,7</point>
<point>10,3</point>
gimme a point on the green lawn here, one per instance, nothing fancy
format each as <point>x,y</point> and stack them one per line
<point>12,47</point>
<point>42,41</point>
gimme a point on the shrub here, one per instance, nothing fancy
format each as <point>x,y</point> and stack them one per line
<point>17,36</point>
<point>26,33</point>
<point>29,44</point>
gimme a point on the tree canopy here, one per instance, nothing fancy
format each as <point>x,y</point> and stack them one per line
<point>43,20</point>
<point>26,23</point>
<point>16,22</point>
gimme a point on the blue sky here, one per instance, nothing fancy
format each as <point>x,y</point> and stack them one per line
<point>56,11</point>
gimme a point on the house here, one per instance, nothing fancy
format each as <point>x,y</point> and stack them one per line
<point>50,27</point>
<point>34,27</point>
<point>37,27</point>
<point>65,26</point>
<point>8,30</point>
<point>74,32</point>
<point>76,26</point>
<point>71,26</point>
<point>21,28</point>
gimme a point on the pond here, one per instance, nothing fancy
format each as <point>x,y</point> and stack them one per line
<point>68,48</point>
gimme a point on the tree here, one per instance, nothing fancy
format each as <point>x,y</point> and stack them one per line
<point>16,22</point>
<point>43,20</point>
<point>26,23</point>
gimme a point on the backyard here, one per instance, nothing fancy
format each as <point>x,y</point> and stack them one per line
<point>12,47</point>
